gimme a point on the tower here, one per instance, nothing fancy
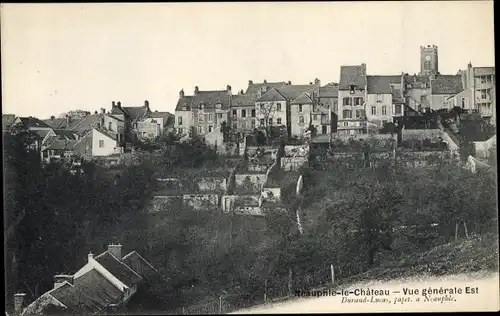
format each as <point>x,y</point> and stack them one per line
<point>428,60</point>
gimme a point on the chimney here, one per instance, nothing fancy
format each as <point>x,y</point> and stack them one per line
<point>181,93</point>
<point>228,88</point>
<point>250,82</point>
<point>363,67</point>
<point>317,81</point>
<point>113,104</point>
<point>67,120</point>
<point>90,256</point>
<point>115,250</point>
<point>241,92</point>
<point>196,90</point>
<point>265,81</point>
<point>19,302</point>
<point>103,110</point>
<point>146,103</point>
<point>289,83</point>
<point>95,112</point>
<point>119,104</point>
<point>59,279</point>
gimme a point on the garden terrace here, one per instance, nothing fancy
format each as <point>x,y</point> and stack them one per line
<point>422,145</point>
<point>370,144</point>
<point>193,173</point>
<point>282,179</point>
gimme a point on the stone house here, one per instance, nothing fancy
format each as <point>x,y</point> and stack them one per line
<point>442,88</point>
<point>380,107</point>
<point>352,86</point>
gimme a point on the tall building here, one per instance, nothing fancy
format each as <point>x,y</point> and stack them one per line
<point>352,86</point>
<point>429,60</point>
<point>479,94</point>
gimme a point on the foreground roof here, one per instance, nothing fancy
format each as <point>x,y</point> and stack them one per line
<point>352,75</point>
<point>381,84</point>
<point>447,84</point>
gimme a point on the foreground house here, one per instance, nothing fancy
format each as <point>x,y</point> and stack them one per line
<point>106,283</point>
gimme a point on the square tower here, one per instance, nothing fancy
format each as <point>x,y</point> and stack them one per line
<point>428,60</point>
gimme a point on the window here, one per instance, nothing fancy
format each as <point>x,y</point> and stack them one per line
<point>278,121</point>
<point>271,121</point>
<point>262,122</point>
<point>243,113</point>
<point>347,114</point>
<point>218,106</point>
<point>483,79</point>
<point>253,123</point>
<point>352,88</point>
<point>179,130</point>
<point>359,114</point>
<point>346,123</point>
<point>278,106</point>
<point>398,109</point>
<point>301,119</point>
<point>384,110</point>
<point>335,107</point>
<point>109,126</point>
<point>219,115</point>
<point>374,110</point>
<point>210,128</point>
<point>235,113</point>
<point>358,101</point>
<point>463,103</point>
<point>315,117</point>
<point>347,101</point>
<point>423,99</point>
<point>210,117</point>
<point>300,108</point>
<point>262,106</point>
<point>101,144</point>
<point>200,117</point>
<point>200,130</point>
<point>380,97</point>
<point>483,94</point>
<point>253,112</point>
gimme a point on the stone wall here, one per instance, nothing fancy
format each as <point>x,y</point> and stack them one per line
<point>421,134</point>
<point>199,201</point>
<point>273,194</point>
<point>212,184</point>
<point>249,210</point>
<point>160,203</point>
<point>256,180</point>
<point>293,163</point>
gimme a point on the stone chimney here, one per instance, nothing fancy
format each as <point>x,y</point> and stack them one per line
<point>228,89</point>
<point>363,67</point>
<point>59,279</point>
<point>52,117</point>
<point>90,256</point>
<point>317,82</point>
<point>19,302</point>
<point>241,92</point>
<point>250,82</point>
<point>119,104</point>
<point>113,104</point>
<point>181,93</point>
<point>67,120</point>
<point>146,103</point>
<point>265,81</point>
<point>115,250</point>
<point>103,110</point>
<point>289,83</point>
<point>196,90</point>
<point>95,112</point>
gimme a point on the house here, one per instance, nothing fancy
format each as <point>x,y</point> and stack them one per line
<point>202,112</point>
<point>271,109</point>
<point>481,90</point>
<point>243,115</point>
<point>113,123</point>
<point>164,121</point>
<point>301,109</point>
<point>380,108</point>
<point>104,284</point>
<point>257,90</point>
<point>7,121</point>
<point>38,127</point>
<point>483,149</point>
<point>442,88</point>
<point>55,149</point>
<point>130,116</point>
<point>326,97</point>
<point>352,86</point>
<point>105,143</point>
<point>417,93</point>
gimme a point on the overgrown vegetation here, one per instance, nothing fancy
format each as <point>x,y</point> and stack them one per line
<point>353,218</point>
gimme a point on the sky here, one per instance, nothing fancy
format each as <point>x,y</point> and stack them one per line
<point>61,57</point>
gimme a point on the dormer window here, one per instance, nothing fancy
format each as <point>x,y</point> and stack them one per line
<point>184,108</point>
<point>201,106</point>
<point>352,88</point>
<point>218,106</point>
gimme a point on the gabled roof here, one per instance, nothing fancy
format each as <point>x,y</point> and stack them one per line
<point>120,270</point>
<point>185,101</point>
<point>63,133</point>
<point>329,91</point>
<point>484,71</point>
<point>55,143</point>
<point>56,122</point>
<point>291,92</point>
<point>381,84</point>
<point>447,84</point>
<point>303,98</point>
<point>111,134</point>
<point>40,134</point>
<point>419,79</point>
<point>352,75</point>
<point>272,95</point>
<point>86,123</point>
<point>33,122</point>
<point>136,113</point>
<point>243,100</point>
<point>140,265</point>
<point>166,116</point>
<point>90,292</point>
<point>7,120</point>
<point>254,88</point>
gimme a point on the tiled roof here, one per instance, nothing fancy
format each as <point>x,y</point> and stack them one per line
<point>254,88</point>
<point>111,134</point>
<point>139,264</point>
<point>166,116</point>
<point>33,122</point>
<point>63,133</point>
<point>185,101</point>
<point>484,71</point>
<point>447,84</point>
<point>120,270</point>
<point>329,91</point>
<point>397,96</point>
<point>303,98</point>
<point>291,92</point>
<point>41,133</point>
<point>56,122</point>
<point>91,292</point>
<point>352,75</point>
<point>381,84</point>
<point>243,100</point>
<point>411,79</point>
<point>7,120</point>
<point>60,144</point>
<point>86,123</point>
<point>272,96</point>
<point>136,112</point>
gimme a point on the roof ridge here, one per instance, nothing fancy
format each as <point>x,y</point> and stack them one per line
<point>141,258</point>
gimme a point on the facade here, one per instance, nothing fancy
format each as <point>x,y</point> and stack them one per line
<point>380,107</point>
<point>38,127</point>
<point>480,83</point>
<point>243,113</point>
<point>301,115</point>
<point>326,97</point>
<point>257,90</point>
<point>104,143</point>
<point>7,121</point>
<point>417,93</point>
<point>271,109</point>
<point>352,86</point>
<point>202,112</point>
<point>429,60</point>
